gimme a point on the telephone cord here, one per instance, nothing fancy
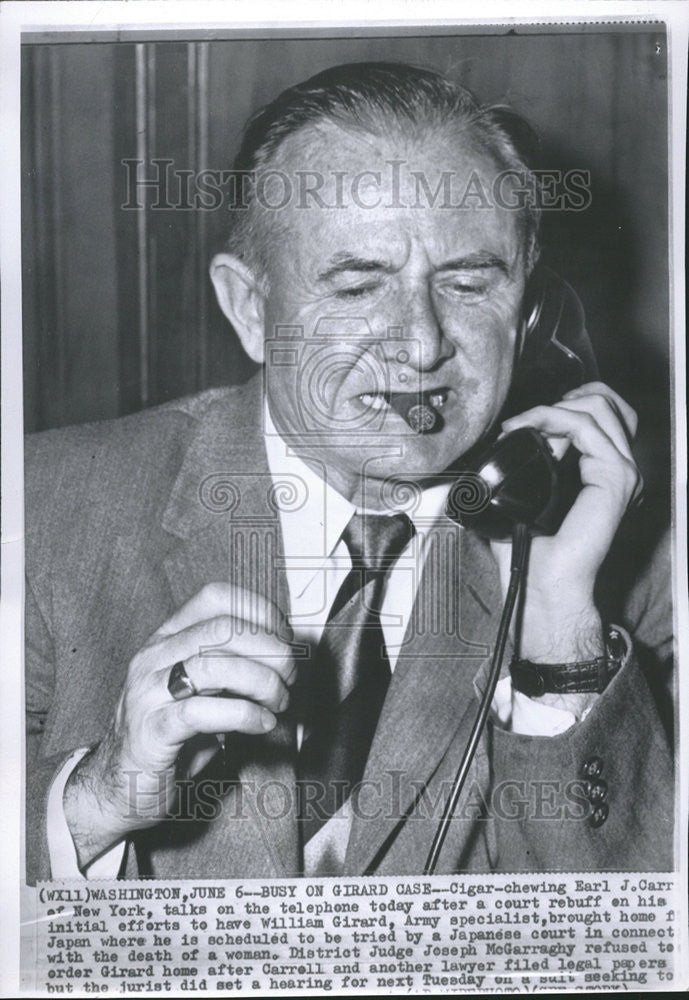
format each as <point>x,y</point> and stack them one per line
<point>520,549</point>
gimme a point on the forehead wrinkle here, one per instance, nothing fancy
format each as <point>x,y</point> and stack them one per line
<point>328,146</point>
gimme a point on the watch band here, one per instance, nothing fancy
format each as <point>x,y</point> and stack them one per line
<point>585,676</point>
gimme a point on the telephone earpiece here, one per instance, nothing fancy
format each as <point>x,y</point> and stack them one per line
<point>555,351</point>
<point>518,479</point>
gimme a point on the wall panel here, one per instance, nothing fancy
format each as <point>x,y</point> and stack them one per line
<point>118,309</point>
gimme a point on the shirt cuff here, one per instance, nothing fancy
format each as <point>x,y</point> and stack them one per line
<point>519,714</point>
<point>61,849</point>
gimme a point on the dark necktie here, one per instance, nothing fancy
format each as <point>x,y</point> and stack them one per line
<point>346,685</point>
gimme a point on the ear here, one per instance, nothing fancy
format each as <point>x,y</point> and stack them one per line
<point>241,298</point>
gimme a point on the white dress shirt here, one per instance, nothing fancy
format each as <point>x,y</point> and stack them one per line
<point>316,563</point>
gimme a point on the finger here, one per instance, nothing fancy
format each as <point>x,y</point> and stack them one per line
<point>605,416</point>
<point>580,428</point>
<point>599,407</point>
<point>218,635</point>
<point>593,414</point>
<point>627,413</point>
<point>599,506</point>
<point>217,599</point>
<point>234,677</point>
<point>177,721</point>
<point>608,467</point>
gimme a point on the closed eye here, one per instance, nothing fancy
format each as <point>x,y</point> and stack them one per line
<point>356,291</point>
<point>469,290</point>
<point>466,286</point>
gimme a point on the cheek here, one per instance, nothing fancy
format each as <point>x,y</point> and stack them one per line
<point>287,352</point>
<point>304,382</point>
<point>485,342</point>
<point>280,386</point>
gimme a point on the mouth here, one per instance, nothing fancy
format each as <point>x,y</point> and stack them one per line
<point>435,398</point>
<point>421,410</point>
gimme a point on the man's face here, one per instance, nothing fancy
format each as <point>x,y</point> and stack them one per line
<point>388,292</point>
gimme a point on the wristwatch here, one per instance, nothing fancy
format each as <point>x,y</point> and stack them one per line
<point>585,676</point>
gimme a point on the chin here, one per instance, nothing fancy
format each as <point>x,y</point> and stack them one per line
<point>424,456</point>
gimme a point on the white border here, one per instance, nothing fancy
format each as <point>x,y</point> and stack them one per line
<point>170,15</point>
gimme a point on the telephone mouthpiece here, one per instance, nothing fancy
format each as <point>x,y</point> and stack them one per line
<point>417,410</point>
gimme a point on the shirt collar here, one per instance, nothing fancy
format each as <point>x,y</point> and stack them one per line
<point>313,523</point>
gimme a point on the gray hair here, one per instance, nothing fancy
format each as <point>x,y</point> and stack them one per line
<point>376,97</point>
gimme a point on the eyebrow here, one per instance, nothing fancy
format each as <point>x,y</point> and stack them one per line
<point>349,262</point>
<point>342,262</point>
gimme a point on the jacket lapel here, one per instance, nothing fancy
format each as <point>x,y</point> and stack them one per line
<point>225,527</point>
<point>432,695</point>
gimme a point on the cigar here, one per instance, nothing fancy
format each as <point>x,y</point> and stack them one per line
<point>418,409</point>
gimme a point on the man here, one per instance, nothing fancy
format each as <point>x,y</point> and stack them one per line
<point>221,678</point>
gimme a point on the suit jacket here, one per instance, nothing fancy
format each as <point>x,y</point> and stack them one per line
<point>127,519</point>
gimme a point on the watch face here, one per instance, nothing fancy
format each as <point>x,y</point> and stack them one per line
<point>616,645</point>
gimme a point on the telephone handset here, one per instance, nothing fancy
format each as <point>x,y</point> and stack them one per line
<point>518,478</point>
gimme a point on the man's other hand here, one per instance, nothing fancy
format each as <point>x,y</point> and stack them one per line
<point>560,621</point>
<point>229,641</point>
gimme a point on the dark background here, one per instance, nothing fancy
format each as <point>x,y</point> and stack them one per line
<point>119,312</point>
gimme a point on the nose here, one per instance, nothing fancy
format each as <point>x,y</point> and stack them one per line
<point>427,343</point>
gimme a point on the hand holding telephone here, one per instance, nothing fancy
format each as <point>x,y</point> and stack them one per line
<point>524,483</point>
